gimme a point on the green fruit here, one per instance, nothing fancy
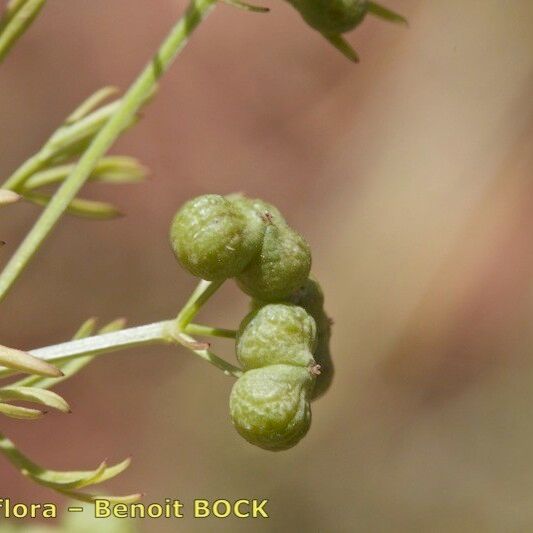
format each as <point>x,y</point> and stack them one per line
<point>322,355</point>
<point>332,16</point>
<point>213,238</point>
<point>276,334</point>
<point>270,406</point>
<point>311,298</point>
<point>259,208</point>
<point>281,266</point>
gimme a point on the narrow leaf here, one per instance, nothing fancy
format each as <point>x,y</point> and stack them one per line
<point>86,329</point>
<point>65,480</point>
<point>91,104</point>
<point>69,139</point>
<point>18,18</point>
<point>112,169</point>
<point>111,472</point>
<point>344,47</point>
<point>119,169</point>
<point>246,6</point>
<point>115,325</point>
<point>79,206</point>
<point>77,480</point>
<point>68,368</point>
<point>72,367</point>
<point>59,480</point>
<point>35,395</point>
<point>8,197</point>
<point>21,413</point>
<point>24,362</point>
<point>10,10</point>
<point>386,14</point>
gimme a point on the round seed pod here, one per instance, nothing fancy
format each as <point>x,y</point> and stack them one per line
<point>269,406</point>
<point>213,238</point>
<point>277,334</point>
<point>281,266</point>
<point>311,298</point>
<point>259,208</point>
<point>332,16</point>
<point>322,356</point>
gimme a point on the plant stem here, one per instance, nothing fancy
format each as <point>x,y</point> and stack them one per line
<point>198,298</point>
<point>17,18</point>
<point>62,143</point>
<point>206,354</point>
<point>129,105</point>
<point>16,458</point>
<point>164,332</point>
<point>208,331</point>
<point>105,343</point>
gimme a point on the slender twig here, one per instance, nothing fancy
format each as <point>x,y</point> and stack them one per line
<point>208,331</point>
<point>206,354</point>
<point>129,105</point>
<point>16,458</point>
<point>199,297</point>
<point>66,137</point>
<point>164,332</point>
<point>16,20</point>
<point>105,343</point>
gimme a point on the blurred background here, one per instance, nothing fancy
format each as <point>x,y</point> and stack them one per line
<point>409,174</point>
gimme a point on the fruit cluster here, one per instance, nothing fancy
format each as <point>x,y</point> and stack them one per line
<point>283,343</point>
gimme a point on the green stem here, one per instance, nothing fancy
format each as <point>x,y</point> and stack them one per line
<point>16,458</point>
<point>16,20</point>
<point>29,167</point>
<point>164,332</point>
<point>61,143</point>
<point>208,331</point>
<point>201,294</point>
<point>206,354</point>
<point>129,105</point>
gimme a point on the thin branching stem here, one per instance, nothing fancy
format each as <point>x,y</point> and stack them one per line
<point>202,350</point>
<point>15,457</point>
<point>208,331</point>
<point>198,298</point>
<point>129,106</point>
<point>164,332</point>
<point>17,18</point>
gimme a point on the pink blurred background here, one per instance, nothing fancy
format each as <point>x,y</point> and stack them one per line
<point>409,174</point>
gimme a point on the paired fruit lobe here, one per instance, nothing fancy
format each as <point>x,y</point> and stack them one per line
<point>281,266</point>
<point>213,238</point>
<point>332,17</point>
<point>270,407</point>
<point>310,297</point>
<point>277,334</point>
<point>258,208</point>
